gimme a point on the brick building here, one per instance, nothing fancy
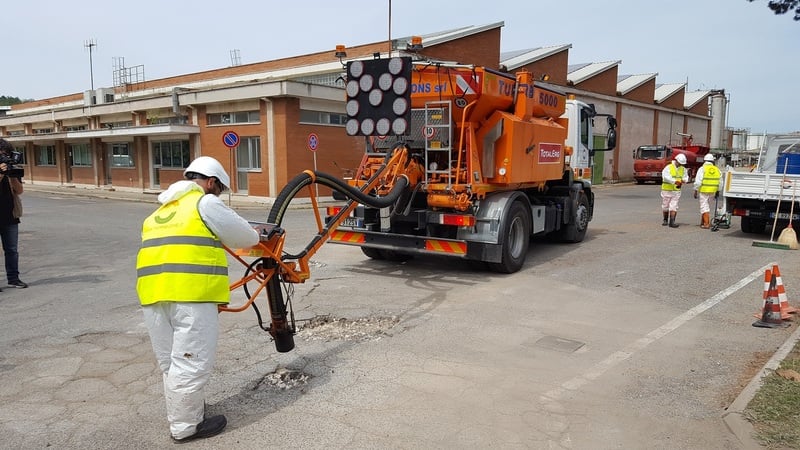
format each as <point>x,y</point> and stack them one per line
<point>140,134</point>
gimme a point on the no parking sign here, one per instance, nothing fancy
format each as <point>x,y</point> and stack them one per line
<point>313,142</point>
<point>230,139</point>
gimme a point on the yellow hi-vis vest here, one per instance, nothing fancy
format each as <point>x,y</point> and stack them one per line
<point>677,173</point>
<point>711,176</point>
<point>181,260</point>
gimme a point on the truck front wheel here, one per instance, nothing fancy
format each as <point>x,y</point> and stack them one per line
<point>575,231</point>
<point>516,237</point>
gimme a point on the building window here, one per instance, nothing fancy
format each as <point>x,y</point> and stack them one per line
<point>248,154</point>
<point>112,125</point>
<point>81,155</point>
<point>16,132</point>
<point>45,155</point>
<point>233,117</point>
<point>42,131</point>
<point>322,117</point>
<point>74,128</point>
<point>121,155</point>
<point>171,154</point>
<point>174,120</point>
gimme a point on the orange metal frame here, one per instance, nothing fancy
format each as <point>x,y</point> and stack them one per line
<point>272,244</point>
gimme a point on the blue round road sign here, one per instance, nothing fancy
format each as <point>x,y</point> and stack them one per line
<point>230,139</point>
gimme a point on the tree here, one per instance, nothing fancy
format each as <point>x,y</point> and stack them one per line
<point>8,101</point>
<point>784,6</point>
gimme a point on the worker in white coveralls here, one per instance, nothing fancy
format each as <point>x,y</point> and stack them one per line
<point>706,184</point>
<point>182,271</point>
<point>672,178</point>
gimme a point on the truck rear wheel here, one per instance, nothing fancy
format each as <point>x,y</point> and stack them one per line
<point>372,253</point>
<point>516,237</point>
<point>753,226</point>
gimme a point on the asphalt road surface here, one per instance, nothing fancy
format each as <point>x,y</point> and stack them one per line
<point>638,337</point>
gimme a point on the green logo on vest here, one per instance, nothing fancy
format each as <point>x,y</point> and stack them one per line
<point>162,220</point>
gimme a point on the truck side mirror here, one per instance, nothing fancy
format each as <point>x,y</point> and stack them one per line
<point>611,139</point>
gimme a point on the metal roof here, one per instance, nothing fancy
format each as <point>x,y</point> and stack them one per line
<point>691,99</point>
<point>446,36</point>
<point>665,91</point>
<point>627,83</point>
<point>589,70</point>
<point>518,58</point>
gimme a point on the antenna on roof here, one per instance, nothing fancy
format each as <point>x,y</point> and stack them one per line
<point>90,44</point>
<point>236,60</point>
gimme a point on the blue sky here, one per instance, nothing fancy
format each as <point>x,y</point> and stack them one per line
<point>735,45</point>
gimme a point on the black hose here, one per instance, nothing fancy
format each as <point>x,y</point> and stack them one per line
<point>304,179</point>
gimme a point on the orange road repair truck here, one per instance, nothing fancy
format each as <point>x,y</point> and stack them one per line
<point>464,161</point>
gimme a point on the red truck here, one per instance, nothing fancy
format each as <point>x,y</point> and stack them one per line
<point>650,160</point>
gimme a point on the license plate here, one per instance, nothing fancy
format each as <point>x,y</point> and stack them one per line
<point>784,216</point>
<point>353,222</point>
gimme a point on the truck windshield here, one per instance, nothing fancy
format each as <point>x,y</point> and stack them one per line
<point>650,153</point>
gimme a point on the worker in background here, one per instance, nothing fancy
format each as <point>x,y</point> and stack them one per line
<point>706,185</point>
<point>182,271</point>
<point>672,178</point>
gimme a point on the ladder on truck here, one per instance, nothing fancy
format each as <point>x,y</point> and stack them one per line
<point>438,135</point>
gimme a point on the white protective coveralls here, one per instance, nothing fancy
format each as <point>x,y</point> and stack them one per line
<point>703,197</point>
<point>670,199</point>
<point>191,328</point>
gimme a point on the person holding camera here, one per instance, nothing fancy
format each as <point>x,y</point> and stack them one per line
<point>10,212</point>
<point>672,178</point>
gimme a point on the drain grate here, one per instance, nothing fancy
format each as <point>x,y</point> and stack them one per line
<point>559,344</point>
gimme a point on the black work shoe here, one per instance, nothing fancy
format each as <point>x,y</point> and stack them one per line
<point>211,426</point>
<point>17,284</point>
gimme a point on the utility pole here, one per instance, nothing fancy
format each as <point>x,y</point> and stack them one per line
<point>90,44</point>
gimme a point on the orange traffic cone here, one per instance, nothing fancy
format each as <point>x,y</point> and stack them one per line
<point>771,316</point>
<point>785,308</point>
<point>767,282</point>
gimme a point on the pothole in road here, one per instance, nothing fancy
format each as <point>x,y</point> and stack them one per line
<point>327,328</point>
<point>283,379</point>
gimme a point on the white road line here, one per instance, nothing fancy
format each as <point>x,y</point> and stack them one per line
<point>617,357</point>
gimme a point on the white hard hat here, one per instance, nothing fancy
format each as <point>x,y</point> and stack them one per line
<point>708,157</point>
<point>681,158</point>
<point>210,167</point>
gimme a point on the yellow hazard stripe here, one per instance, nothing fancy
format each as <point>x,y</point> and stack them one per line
<point>459,248</point>
<point>348,236</point>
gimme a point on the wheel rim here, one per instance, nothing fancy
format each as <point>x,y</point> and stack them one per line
<point>582,218</point>
<point>516,239</point>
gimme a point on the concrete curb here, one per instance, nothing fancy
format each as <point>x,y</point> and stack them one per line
<point>734,417</point>
<point>235,201</point>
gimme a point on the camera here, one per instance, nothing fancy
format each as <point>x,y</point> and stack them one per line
<point>11,158</point>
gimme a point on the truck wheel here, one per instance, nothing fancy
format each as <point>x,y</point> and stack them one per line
<point>753,226</point>
<point>639,181</point>
<point>516,237</point>
<point>576,230</point>
<point>372,253</point>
